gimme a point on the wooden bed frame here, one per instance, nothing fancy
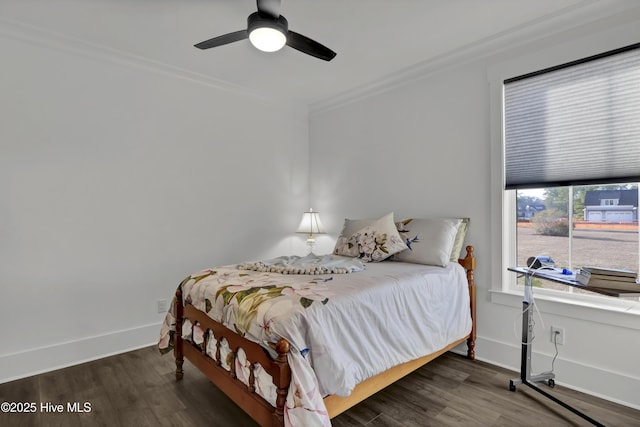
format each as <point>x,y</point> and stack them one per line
<point>252,403</point>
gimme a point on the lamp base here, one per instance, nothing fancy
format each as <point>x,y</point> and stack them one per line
<point>311,243</point>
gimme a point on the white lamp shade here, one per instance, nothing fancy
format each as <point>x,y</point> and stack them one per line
<point>267,39</point>
<point>310,224</point>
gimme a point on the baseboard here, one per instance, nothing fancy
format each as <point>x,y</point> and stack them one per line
<point>604,384</point>
<point>49,358</point>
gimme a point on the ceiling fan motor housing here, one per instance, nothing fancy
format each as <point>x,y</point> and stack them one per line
<point>262,20</point>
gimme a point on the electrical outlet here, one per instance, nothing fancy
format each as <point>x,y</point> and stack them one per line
<point>162,306</point>
<point>557,335</point>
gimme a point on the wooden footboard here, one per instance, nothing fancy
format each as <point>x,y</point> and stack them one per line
<point>226,380</point>
<point>246,397</point>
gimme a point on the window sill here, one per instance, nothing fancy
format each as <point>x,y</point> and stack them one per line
<point>603,310</point>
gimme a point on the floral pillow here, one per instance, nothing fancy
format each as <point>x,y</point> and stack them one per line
<point>352,225</point>
<point>373,243</point>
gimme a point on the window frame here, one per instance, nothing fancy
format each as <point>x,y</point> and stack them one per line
<point>573,255</point>
<point>509,280</point>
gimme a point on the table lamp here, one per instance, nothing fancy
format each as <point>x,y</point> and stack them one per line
<point>310,224</point>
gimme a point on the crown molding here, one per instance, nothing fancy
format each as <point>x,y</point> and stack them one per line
<point>35,36</point>
<point>563,21</point>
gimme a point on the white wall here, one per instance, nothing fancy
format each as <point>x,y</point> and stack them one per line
<point>425,149</point>
<point>395,151</point>
<point>118,178</point>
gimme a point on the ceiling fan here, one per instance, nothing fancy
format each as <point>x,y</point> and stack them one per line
<point>269,31</point>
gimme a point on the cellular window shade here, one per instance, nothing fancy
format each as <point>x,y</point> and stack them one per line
<point>575,124</point>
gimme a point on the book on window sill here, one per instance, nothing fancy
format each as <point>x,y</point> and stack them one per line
<point>585,276</point>
<point>619,274</point>
<point>597,282</point>
<point>613,284</point>
<point>613,292</point>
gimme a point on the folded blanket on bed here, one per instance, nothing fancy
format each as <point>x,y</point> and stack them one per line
<point>310,264</point>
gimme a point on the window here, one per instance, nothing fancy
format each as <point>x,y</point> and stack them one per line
<point>572,163</point>
<point>580,238</point>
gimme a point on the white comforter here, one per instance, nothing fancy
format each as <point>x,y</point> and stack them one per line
<point>390,313</point>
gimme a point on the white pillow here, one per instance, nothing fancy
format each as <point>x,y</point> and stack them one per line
<point>374,242</point>
<point>430,240</point>
<point>458,242</point>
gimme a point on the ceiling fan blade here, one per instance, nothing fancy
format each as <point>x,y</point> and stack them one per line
<point>270,7</point>
<point>224,39</point>
<point>308,46</point>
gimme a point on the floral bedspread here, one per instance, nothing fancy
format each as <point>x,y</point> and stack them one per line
<point>250,302</point>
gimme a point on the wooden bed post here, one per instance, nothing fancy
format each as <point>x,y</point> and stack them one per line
<point>282,381</point>
<point>469,263</point>
<point>177,336</point>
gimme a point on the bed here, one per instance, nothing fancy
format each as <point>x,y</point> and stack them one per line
<point>296,347</point>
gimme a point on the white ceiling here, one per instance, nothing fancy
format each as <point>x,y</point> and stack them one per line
<point>373,38</point>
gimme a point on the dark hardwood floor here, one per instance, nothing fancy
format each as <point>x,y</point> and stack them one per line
<point>138,389</point>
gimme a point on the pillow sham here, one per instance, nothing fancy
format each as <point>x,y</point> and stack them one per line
<point>458,242</point>
<point>429,240</point>
<point>352,225</point>
<point>374,242</point>
<point>348,229</point>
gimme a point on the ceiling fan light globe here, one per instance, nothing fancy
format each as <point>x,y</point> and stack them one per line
<point>267,39</point>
